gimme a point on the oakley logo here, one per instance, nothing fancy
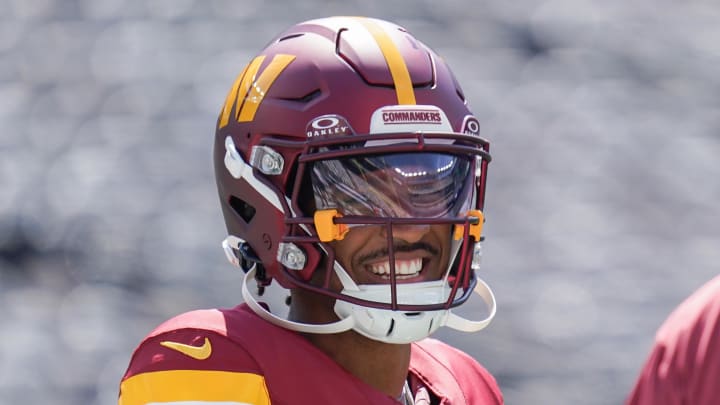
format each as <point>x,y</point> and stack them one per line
<point>325,123</point>
<point>412,117</point>
<point>328,125</point>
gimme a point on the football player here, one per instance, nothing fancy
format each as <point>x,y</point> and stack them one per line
<point>684,364</point>
<point>351,174</point>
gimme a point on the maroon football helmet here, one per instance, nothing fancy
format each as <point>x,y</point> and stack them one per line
<point>342,122</point>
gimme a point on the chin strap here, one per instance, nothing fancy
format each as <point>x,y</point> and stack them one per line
<point>451,320</point>
<point>465,325</point>
<point>327,328</point>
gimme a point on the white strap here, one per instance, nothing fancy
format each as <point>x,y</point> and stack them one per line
<point>334,327</point>
<point>465,325</point>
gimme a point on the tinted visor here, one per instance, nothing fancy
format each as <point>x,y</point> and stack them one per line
<point>402,185</point>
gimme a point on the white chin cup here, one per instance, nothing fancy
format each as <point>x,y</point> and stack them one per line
<point>409,326</point>
<point>395,326</point>
<point>383,324</point>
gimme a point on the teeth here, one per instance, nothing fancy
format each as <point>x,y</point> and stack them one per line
<point>402,267</point>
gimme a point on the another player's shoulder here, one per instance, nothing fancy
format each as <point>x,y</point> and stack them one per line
<point>683,365</point>
<point>697,312</point>
<point>193,356</point>
<point>451,372</point>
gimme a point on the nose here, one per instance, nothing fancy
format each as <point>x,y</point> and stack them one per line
<point>409,233</point>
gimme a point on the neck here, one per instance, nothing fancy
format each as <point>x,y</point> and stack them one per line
<point>383,366</point>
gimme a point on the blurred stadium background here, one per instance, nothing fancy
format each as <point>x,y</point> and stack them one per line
<point>602,208</point>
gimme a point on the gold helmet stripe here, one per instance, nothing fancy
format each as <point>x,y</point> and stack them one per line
<point>260,87</point>
<point>240,87</point>
<point>394,60</point>
<point>230,99</point>
<point>245,84</point>
<point>247,93</point>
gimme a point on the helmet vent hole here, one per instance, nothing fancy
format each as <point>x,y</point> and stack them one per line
<point>242,208</point>
<point>392,326</point>
<point>310,96</point>
<point>291,36</point>
<point>306,98</point>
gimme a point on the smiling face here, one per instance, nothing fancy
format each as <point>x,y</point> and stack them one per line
<point>416,191</point>
<point>405,186</point>
<point>421,253</point>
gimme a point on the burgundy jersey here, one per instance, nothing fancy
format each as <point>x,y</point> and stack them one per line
<point>233,357</point>
<point>684,364</point>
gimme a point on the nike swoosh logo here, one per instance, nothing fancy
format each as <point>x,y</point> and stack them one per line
<point>196,352</point>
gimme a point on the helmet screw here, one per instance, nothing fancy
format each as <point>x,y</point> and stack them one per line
<point>267,241</point>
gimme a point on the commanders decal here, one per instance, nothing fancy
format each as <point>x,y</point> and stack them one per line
<point>411,116</point>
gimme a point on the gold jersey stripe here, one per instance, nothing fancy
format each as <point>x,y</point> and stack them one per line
<point>261,86</point>
<point>194,386</point>
<point>230,99</point>
<point>394,60</point>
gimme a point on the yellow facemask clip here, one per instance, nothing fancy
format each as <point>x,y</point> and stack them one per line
<point>475,229</point>
<point>326,227</point>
